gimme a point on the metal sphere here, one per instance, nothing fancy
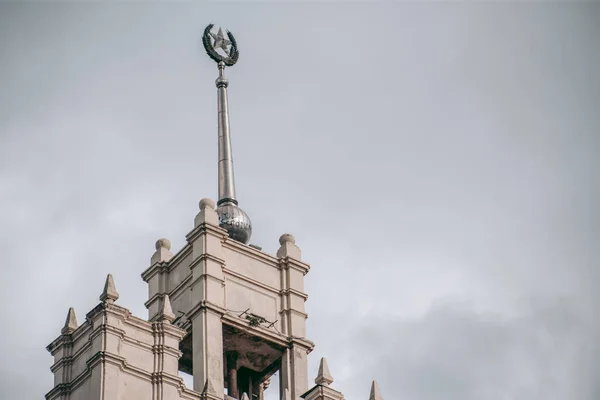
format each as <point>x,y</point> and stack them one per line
<point>235,221</point>
<point>222,82</point>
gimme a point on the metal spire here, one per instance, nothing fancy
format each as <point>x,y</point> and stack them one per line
<point>226,177</point>
<point>231,217</point>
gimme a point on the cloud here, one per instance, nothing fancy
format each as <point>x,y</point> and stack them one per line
<point>549,351</point>
<point>419,153</point>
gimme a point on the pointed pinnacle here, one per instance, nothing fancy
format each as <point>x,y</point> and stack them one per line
<point>245,396</point>
<point>109,294</point>
<point>166,312</point>
<point>323,377</point>
<point>70,323</point>
<point>375,394</point>
<point>208,387</point>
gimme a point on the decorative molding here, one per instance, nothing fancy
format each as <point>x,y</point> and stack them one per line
<point>250,280</point>
<point>207,257</point>
<point>205,277</point>
<point>287,311</point>
<point>159,267</point>
<point>205,305</point>
<point>288,262</point>
<point>205,228</point>
<point>167,266</point>
<point>251,252</point>
<point>259,331</point>
<point>290,291</point>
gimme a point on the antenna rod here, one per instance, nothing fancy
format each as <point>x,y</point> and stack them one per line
<point>226,178</point>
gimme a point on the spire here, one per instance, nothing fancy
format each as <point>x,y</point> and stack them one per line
<point>375,394</point>
<point>109,294</point>
<point>226,177</point>
<point>70,323</point>
<point>323,376</point>
<point>231,217</point>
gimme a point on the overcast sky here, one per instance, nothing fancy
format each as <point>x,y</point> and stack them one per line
<point>437,163</point>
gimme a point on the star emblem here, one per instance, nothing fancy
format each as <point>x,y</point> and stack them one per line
<point>220,42</point>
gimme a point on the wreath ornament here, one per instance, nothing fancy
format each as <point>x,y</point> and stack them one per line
<point>232,54</point>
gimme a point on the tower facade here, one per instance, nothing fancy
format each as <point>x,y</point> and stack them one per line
<point>219,309</point>
<point>242,309</point>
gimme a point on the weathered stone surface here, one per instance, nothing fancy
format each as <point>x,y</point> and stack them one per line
<point>375,394</point>
<point>70,323</point>
<point>109,294</point>
<point>166,313</point>
<point>114,355</point>
<point>227,296</point>
<point>288,247</point>
<point>163,251</point>
<point>323,376</point>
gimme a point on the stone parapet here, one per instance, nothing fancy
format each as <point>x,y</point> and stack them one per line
<point>114,355</point>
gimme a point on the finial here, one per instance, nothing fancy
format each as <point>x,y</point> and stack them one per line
<point>109,294</point>
<point>286,238</point>
<point>375,394</point>
<point>163,244</point>
<point>207,203</point>
<point>70,323</point>
<point>288,247</point>
<point>163,251</point>
<point>245,396</point>
<point>231,217</point>
<point>323,376</point>
<point>219,42</point>
<point>166,311</point>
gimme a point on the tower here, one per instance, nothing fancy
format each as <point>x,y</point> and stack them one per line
<point>219,309</point>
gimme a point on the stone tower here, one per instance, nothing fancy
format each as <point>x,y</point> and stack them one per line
<point>219,309</point>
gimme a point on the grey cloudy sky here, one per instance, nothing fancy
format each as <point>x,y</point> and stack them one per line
<point>437,163</point>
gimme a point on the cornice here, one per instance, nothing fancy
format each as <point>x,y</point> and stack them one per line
<point>203,277</point>
<point>152,299</point>
<point>251,252</point>
<point>303,343</point>
<point>161,378</point>
<point>161,349</point>
<point>162,328</point>
<point>59,342</point>
<point>322,392</point>
<point>293,311</point>
<point>263,333</point>
<point>180,255</point>
<point>206,256</point>
<point>167,266</point>
<point>159,329</point>
<point>285,292</point>
<point>159,267</point>
<point>205,305</point>
<point>288,262</point>
<point>68,338</point>
<point>205,228</point>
